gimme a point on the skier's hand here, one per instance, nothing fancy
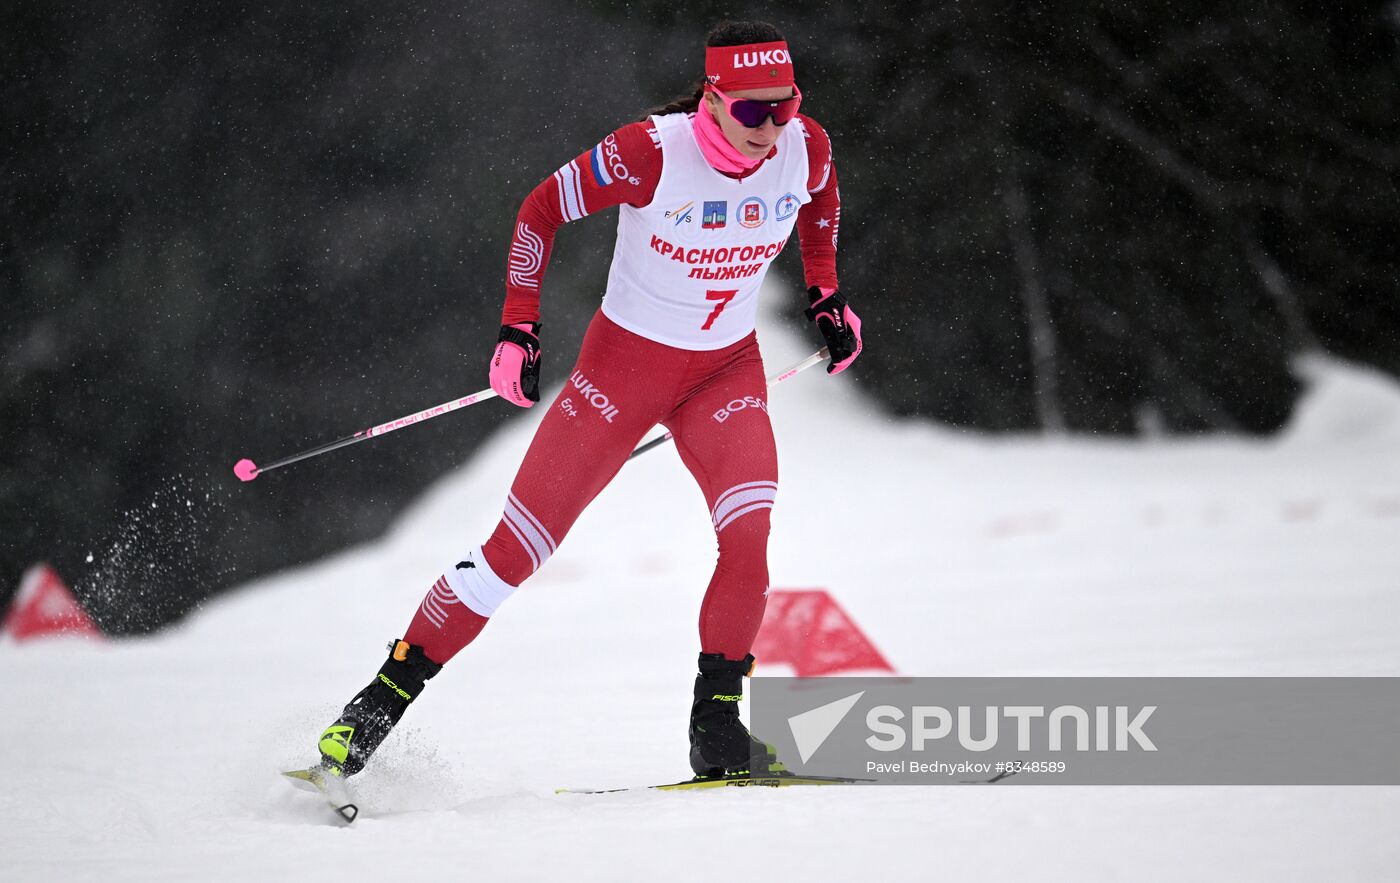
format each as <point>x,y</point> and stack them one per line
<point>515,367</point>
<point>838,323</point>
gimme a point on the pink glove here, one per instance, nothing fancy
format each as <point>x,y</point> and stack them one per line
<point>839,325</point>
<point>515,368</point>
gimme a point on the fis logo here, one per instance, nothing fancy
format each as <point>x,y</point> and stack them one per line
<point>682,214</point>
<point>714,217</point>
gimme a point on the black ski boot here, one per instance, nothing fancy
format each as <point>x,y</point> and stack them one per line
<point>347,744</point>
<point>720,745</point>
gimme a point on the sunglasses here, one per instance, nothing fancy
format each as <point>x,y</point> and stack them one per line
<point>751,114</point>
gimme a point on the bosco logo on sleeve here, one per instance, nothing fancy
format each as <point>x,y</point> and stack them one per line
<point>607,165</point>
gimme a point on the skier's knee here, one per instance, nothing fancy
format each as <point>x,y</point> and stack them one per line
<point>476,584</point>
<point>742,511</point>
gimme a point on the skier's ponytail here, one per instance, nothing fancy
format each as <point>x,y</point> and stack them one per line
<point>687,103</point>
<point>726,33</point>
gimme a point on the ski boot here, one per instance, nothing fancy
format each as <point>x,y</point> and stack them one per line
<point>720,745</point>
<point>347,744</point>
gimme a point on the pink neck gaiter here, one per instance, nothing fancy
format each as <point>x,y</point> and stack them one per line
<point>725,157</point>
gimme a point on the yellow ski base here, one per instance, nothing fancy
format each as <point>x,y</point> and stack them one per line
<point>783,781</point>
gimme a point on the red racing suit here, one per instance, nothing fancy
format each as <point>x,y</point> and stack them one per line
<point>673,345</point>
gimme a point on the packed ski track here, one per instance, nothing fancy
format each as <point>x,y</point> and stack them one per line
<point>958,554</point>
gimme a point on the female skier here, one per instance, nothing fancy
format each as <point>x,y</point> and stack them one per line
<point>709,189</point>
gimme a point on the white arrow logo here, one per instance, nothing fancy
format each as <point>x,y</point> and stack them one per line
<point>811,728</point>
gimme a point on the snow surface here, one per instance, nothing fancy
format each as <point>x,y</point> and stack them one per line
<point>959,554</point>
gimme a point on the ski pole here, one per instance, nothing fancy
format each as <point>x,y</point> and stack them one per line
<point>247,470</point>
<point>773,381</point>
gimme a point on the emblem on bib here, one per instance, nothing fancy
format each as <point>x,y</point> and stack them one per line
<point>752,212</point>
<point>682,214</point>
<point>713,217</point>
<point>786,207</point>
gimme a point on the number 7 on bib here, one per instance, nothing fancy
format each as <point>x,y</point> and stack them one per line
<point>724,297</point>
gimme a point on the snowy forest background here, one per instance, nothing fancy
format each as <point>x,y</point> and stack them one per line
<point>241,232</point>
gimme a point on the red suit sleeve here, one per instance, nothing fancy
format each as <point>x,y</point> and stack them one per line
<point>819,220</point>
<point>623,167</point>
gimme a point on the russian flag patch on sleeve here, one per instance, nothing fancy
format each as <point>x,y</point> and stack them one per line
<point>600,167</point>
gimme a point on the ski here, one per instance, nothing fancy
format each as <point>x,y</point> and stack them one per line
<point>785,780</point>
<point>330,786</point>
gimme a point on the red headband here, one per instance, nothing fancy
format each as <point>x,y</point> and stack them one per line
<point>752,66</point>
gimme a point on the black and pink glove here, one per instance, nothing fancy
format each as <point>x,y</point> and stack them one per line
<point>838,323</point>
<point>515,367</point>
